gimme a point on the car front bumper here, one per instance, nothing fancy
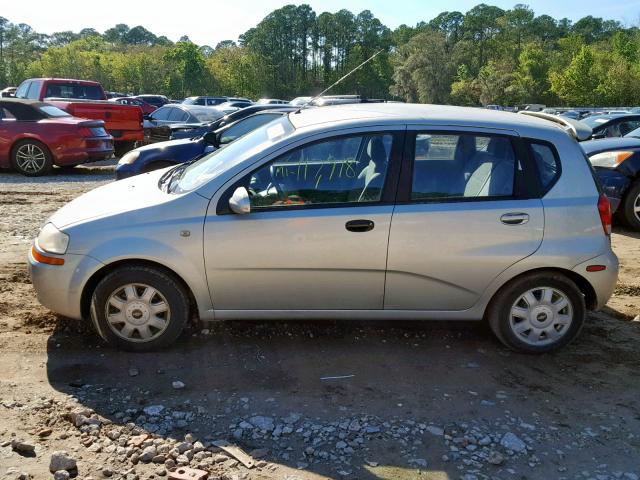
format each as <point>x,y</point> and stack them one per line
<point>59,287</point>
<point>126,170</point>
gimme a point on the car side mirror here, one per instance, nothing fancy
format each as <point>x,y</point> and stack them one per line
<point>212,139</point>
<point>239,202</point>
<point>147,117</point>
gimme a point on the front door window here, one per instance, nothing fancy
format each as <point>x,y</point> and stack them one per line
<point>337,171</point>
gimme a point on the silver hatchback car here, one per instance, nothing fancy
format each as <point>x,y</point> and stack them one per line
<point>382,211</point>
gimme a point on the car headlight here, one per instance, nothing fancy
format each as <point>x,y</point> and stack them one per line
<point>609,159</point>
<point>129,157</point>
<point>52,240</point>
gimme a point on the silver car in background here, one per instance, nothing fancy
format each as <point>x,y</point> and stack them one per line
<point>381,211</point>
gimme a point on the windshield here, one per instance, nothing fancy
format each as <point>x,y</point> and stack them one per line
<point>634,133</point>
<point>596,120</point>
<point>221,160</point>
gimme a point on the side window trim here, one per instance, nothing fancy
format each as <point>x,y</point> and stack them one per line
<point>388,193</point>
<point>405,183</point>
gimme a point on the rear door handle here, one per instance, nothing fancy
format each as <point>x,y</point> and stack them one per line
<point>514,218</point>
<point>359,225</point>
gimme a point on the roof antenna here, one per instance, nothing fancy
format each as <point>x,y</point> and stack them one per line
<point>339,80</point>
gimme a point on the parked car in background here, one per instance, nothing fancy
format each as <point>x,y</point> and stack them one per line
<point>226,120</point>
<point>234,104</point>
<point>612,124</point>
<point>155,100</point>
<point>111,95</point>
<point>299,101</point>
<point>176,116</point>
<point>263,229</point>
<point>86,99</point>
<point>571,114</point>
<point>8,92</point>
<point>146,108</point>
<point>164,154</point>
<point>271,101</point>
<point>35,136</point>
<point>617,164</point>
<point>205,101</point>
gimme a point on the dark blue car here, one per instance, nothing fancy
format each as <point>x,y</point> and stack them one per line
<point>165,154</point>
<point>617,164</point>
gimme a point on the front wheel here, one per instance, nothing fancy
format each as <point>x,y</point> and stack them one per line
<point>630,206</point>
<point>537,313</point>
<point>31,158</point>
<point>139,308</point>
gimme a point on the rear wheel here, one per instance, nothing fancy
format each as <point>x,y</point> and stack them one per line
<point>139,308</point>
<point>31,158</point>
<point>537,313</point>
<point>630,207</point>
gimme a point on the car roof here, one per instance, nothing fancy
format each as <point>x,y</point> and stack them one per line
<point>66,80</point>
<point>407,113</point>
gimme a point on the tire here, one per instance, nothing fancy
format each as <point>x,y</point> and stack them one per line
<point>123,304</point>
<point>157,166</point>
<point>31,158</point>
<point>120,148</point>
<point>630,206</point>
<point>526,321</point>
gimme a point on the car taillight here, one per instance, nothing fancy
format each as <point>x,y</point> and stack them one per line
<point>85,132</point>
<point>604,209</point>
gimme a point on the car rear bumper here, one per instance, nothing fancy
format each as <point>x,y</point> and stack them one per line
<point>59,287</point>
<point>94,148</point>
<point>604,281</point>
<point>127,135</point>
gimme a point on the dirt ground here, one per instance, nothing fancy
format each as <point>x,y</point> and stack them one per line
<point>355,400</point>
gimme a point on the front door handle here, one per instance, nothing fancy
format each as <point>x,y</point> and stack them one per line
<point>514,218</point>
<point>359,225</point>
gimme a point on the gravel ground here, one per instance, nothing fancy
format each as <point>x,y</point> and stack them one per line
<point>306,400</point>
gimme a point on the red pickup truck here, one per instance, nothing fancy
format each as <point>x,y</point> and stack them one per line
<point>86,99</point>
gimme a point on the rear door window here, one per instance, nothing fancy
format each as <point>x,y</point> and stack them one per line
<point>162,113</point>
<point>462,166</point>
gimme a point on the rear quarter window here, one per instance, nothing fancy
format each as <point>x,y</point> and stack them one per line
<point>547,163</point>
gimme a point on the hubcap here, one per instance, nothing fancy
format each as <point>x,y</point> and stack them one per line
<point>541,316</point>
<point>636,208</point>
<point>137,312</point>
<point>30,158</point>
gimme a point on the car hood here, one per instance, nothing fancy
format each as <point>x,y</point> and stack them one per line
<point>170,145</point>
<point>606,144</point>
<point>114,198</point>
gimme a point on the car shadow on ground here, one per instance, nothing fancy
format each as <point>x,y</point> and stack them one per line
<point>384,374</point>
<point>623,230</point>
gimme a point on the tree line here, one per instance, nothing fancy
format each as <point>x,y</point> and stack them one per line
<point>487,55</point>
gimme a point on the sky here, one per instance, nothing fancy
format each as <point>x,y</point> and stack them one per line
<point>207,22</point>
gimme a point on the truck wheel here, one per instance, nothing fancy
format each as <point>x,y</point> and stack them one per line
<point>120,148</point>
<point>537,313</point>
<point>31,158</point>
<point>139,308</point>
<point>630,207</point>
